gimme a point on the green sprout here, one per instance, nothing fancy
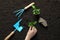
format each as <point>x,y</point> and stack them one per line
<point>32,23</point>
<point>35,10</point>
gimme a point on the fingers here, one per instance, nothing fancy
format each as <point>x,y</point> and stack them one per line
<point>33,29</point>
<point>30,28</point>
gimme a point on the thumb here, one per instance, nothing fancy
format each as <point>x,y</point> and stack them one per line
<point>30,28</point>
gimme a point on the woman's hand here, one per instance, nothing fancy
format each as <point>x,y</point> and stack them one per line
<point>31,32</point>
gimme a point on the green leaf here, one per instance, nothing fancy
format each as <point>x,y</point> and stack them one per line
<point>35,10</point>
<point>32,23</point>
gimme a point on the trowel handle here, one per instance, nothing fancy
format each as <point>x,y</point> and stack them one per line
<point>29,5</point>
<point>6,38</point>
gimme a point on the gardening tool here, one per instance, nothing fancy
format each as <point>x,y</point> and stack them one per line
<point>20,11</point>
<point>16,26</point>
<point>43,22</point>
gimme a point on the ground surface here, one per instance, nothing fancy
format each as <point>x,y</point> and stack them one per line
<point>50,10</point>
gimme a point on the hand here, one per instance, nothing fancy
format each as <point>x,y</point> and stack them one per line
<point>31,32</point>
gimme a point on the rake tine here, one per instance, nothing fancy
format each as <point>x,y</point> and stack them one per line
<point>16,11</point>
<point>21,13</point>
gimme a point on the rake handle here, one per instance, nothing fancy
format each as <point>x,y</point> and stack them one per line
<point>29,5</point>
<point>6,38</point>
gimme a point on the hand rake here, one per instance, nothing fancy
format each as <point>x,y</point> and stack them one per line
<point>20,11</point>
